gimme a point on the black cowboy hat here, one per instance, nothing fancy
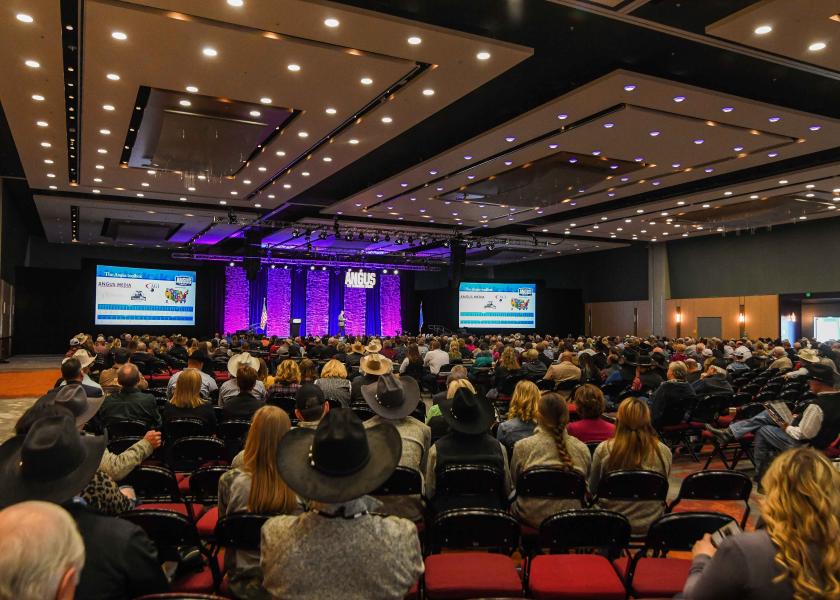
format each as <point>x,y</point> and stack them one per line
<point>339,460</point>
<point>467,413</point>
<point>392,398</point>
<point>52,462</point>
<point>821,372</point>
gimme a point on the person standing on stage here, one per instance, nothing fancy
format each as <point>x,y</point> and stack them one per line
<point>342,320</point>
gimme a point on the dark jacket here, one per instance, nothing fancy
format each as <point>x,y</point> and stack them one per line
<point>120,560</point>
<point>242,406</point>
<point>716,384</point>
<point>356,386</point>
<point>178,352</point>
<point>130,404</point>
<point>204,412</point>
<point>671,401</point>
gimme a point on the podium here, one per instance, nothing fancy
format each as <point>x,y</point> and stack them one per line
<point>294,328</point>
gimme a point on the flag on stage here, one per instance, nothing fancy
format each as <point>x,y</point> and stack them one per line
<point>264,317</point>
<point>421,316</point>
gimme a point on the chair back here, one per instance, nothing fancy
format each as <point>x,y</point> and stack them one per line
<point>717,485</point>
<point>545,385</point>
<point>486,529</point>
<point>204,484</point>
<point>637,485</point>
<point>190,453</point>
<point>362,410</point>
<point>679,531</point>
<point>552,482</point>
<point>470,480</point>
<point>121,444</point>
<point>179,428</point>
<point>234,433</point>
<point>509,383</point>
<point>586,528</point>
<point>706,409</point>
<point>153,484</point>
<point>127,428</point>
<point>287,403</point>
<point>240,531</point>
<point>168,530</point>
<point>402,482</point>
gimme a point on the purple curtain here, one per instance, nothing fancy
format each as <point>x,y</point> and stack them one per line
<point>317,302</point>
<point>278,299</point>
<point>336,298</point>
<point>389,305</point>
<point>236,299</point>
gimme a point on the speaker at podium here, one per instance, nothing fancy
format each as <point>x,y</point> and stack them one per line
<point>294,328</point>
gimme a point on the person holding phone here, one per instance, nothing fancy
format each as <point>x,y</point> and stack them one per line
<point>795,555</point>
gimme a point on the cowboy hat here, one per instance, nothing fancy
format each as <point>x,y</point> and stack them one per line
<point>824,373</point>
<point>808,355</point>
<point>52,462</point>
<point>240,360</point>
<point>357,348</point>
<point>375,364</point>
<point>340,460</point>
<point>373,347</point>
<point>467,413</point>
<point>392,398</point>
<point>82,356</point>
<point>73,397</point>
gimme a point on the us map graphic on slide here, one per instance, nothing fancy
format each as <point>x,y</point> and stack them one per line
<point>497,305</point>
<point>138,296</point>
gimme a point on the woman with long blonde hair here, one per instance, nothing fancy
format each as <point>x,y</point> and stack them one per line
<point>550,446</point>
<point>522,414</point>
<point>187,403</point>
<point>796,555</point>
<point>634,446</point>
<point>255,485</point>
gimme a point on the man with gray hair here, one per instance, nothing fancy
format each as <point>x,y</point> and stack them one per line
<point>672,398</point>
<point>781,361</point>
<point>43,553</point>
<point>130,404</point>
<point>713,381</point>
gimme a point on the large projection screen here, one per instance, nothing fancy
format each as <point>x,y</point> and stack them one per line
<point>497,305</point>
<point>142,296</point>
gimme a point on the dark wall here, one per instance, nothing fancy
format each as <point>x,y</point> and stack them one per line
<point>789,259</point>
<point>607,276</point>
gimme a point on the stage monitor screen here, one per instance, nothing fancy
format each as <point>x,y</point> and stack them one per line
<point>497,305</point>
<point>826,328</point>
<point>140,296</point>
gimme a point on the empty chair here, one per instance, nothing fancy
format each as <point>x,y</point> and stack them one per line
<point>156,488</point>
<point>189,453</point>
<point>233,433</point>
<point>658,575</point>
<point>716,486</point>
<point>596,537</point>
<point>285,402</point>
<point>466,485</point>
<point>121,444</point>
<point>179,428</point>
<point>204,497</point>
<point>118,429</point>
<point>489,573</point>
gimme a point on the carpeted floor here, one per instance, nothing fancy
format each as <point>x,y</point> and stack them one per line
<point>23,384</point>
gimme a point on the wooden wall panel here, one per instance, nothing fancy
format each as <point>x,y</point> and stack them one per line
<point>616,318</point>
<point>761,312</point>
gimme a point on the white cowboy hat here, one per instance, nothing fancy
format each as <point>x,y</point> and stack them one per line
<point>242,359</point>
<point>82,356</point>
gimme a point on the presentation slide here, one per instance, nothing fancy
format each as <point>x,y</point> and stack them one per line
<point>136,296</point>
<point>497,305</point>
<point>826,328</point>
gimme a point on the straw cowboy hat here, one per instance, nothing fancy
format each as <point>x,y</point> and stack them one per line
<point>240,360</point>
<point>375,364</point>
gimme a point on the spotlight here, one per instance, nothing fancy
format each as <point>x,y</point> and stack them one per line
<point>295,232</point>
<point>311,267</point>
<point>322,235</point>
<point>384,271</point>
<point>396,271</point>
<point>398,241</point>
<point>348,236</point>
<point>410,240</point>
<point>374,238</point>
<point>387,237</point>
<point>491,245</point>
<point>273,266</point>
<point>230,263</point>
<point>446,243</point>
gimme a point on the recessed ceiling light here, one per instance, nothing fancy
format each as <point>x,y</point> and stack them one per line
<point>802,218</point>
<point>774,119</point>
<point>261,169</point>
<point>46,145</point>
<point>255,113</point>
<point>293,67</point>
<point>144,184</point>
<point>287,186</point>
<point>222,202</point>
<point>815,127</point>
<point>353,141</point>
<point>32,64</point>
<point>51,175</point>
<point>817,46</point>
<point>97,180</point>
<point>414,40</point>
<point>762,30</point>
<point>679,98</point>
<point>629,88</point>
<point>48,161</point>
<point>727,193</point>
<point>202,177</point>
<point>387,120</point>
<point>738,148</point>
<point>210,52</point>
<point>483,55</point>
<point>639,211</point>
<point>428,92</point>
<point>772,154</point>
<point>246,181</point>
<point>609,125</point>
<point>727,109</point>
<point>675,165</point>
<point>95,191</point>
<point>783,181</point>
<point>653,133</point>
<point>113,76</point>
<point>100,167</point>
<point>191,189</point>
<point>42,124</point>
<point>698,141</point>
<point>102,151</point>
<point>234,193</point>
<point>330,110</point>
<point>108,107</point>
<point>280,153</point>
<point>185,103</point>
<point>271,196</point>
<point>327,159</point>
<point>38,97</point>
<point>331,22</point>
<point>53,187</point>
<point>257,205</point>
<point>192,89</point>
<point>304,173</point>
<point>119,35</point>
<point>303,134</point>
<point>265,100</point>
<point>508,163</point>
<point>366,80</point>
<point>24,18</point>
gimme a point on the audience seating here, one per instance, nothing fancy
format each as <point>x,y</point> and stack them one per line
<point>597,536</point>
<point>287,403</point>
<point>180,428</point>
<point>473,574</point>
<point>204,492</point>
<point>362,410</point>
<point>464,485</point>
<point>189,453</point>
<point>402,482</point>
<point>633,485</point>
<point>157,488</point>
<point>233,433</point>
<point>552,483</point>
<point>121,444</point>
<point>173,534</point>
<point>127,428</point>
<point>719,486</point>
<point>660,576</point>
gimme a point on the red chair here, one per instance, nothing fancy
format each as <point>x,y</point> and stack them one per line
<point>716,486</point>
<point>550,483</point>
<point>659,576</point>
<point>487,573</point>
<point>582,576</point>
<point>204,493</point>
<point>157,489</point>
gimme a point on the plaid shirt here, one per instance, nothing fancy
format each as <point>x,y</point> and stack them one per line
<point>284,389</point>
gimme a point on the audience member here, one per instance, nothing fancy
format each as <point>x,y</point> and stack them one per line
<point>366,555</point>
<point>795,555</point>
<point>195,361</point>
<point>781,361</point>
<point>310,406</point>
<point>635,445</point>
<point>108,377</point>
<point>532,366</point>
<point>590,427</point>
<point>130,404</point>
<point>255,485</point>
<point>522,414</point>
<point>43,553</point>
<point>333,382</point>
<point>412,364</point>
<point>371,367</point>
<point>713,381</point>
<point>187,403</point>
<point>244,404</point>
<point>73,371</point>
<point>230,388</point>
<point>565,370</point>
<point>287,380</point>
<point>308,373</point>
<point>508,365</point>
<point>673,398</point>
<point>435,358</point>
<point>550,446</point>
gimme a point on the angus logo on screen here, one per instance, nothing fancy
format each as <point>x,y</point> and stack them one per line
<point>183,280</point>
<point>525,291</point>
<point>357,279</point>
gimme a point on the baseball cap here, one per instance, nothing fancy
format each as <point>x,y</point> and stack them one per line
<point>309,395</point>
